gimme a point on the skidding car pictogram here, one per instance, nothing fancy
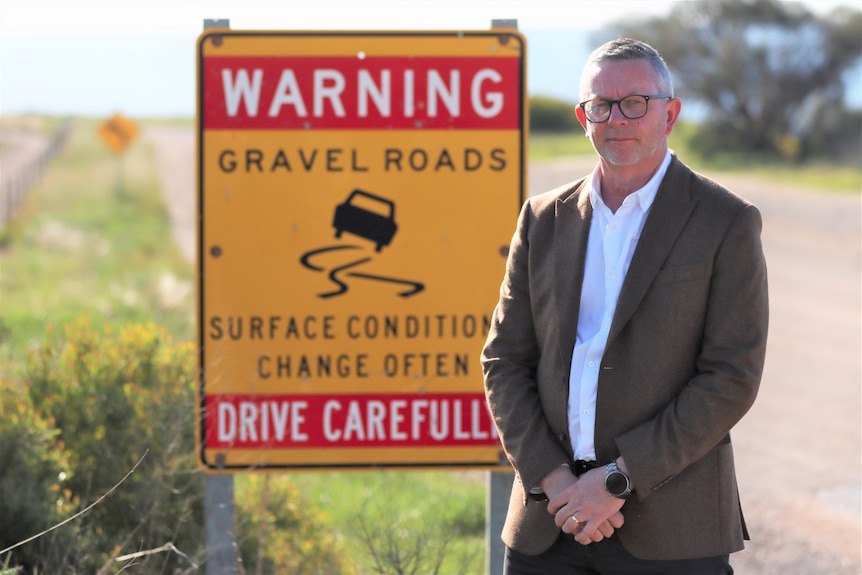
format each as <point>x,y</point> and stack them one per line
<point>377,226</point>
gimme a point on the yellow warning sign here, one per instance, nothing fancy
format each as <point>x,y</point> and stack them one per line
<point>357,193</point>
<point>117,133</point>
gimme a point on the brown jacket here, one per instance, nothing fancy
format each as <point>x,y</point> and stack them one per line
<point>682,364</point>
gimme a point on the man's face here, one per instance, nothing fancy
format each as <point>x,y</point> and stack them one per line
<point>622,141</point>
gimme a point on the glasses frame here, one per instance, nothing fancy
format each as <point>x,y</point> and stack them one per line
<point>611,103</point>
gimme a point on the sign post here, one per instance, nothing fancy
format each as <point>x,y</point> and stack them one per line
<point>219,508</point>
<point>118,133</point>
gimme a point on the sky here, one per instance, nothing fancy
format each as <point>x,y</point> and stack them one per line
<point>137,57</point>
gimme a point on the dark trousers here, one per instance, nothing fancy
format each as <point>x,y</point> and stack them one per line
<point>607,557</point>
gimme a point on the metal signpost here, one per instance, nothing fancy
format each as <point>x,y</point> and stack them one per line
<point>118,133</point>
<point>357,192</point>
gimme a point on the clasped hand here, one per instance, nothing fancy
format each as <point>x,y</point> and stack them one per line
<point>585,508</point>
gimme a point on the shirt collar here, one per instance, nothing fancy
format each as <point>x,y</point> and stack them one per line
<point>644,195</point>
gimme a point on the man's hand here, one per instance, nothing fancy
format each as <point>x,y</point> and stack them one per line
<point>558,480</point>
<point>586,499</point>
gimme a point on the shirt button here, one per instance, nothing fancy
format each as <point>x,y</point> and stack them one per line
<point>592,364</point>
<point>610,276</point>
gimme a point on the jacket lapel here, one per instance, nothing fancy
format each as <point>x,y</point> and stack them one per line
<point>668,215</point>
<point>571,231</point>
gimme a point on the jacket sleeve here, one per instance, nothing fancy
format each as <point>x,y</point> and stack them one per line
<point>728,362</point>
<point>510,361</point>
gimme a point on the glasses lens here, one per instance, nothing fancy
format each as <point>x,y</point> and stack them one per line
<point>597,110</point>
<point>633,107</point>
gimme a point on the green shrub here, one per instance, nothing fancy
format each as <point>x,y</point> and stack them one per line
<point>115,398</point>
<point>402,522</point>
<point>34,470</point>
<point>404,537</point>
<point>279,532</point>
<point>90,405</point>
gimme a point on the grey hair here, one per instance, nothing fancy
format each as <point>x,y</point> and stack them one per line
<point>629,49</point>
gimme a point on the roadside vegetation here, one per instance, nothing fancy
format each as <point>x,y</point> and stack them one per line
<point>818,174</point>
<point>97,367</point>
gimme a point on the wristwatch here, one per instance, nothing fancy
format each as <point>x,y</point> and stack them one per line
<point>617,482</point>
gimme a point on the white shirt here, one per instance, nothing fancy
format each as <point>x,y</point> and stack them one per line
<point>610,247</point>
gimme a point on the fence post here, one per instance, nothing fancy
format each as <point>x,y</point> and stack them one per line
<point>15,185</point>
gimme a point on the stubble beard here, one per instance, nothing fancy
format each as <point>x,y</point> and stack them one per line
<point>629,156</point>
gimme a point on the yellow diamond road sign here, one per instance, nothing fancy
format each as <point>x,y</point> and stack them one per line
<point>117,133</point>
<point>357,195</point>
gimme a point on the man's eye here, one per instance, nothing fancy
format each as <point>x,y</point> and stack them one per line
<point>634,104</point>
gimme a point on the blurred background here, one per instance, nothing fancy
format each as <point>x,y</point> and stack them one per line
<point>96,57</point>
<point>97,282</point>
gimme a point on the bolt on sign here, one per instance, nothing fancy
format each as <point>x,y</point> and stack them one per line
<point>357,195</point>
<point>117,133</point>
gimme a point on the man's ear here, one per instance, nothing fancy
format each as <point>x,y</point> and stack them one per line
<point>674,106</point>
<point>582,118</point>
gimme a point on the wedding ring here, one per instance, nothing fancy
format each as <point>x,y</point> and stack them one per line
<point>575,519</point>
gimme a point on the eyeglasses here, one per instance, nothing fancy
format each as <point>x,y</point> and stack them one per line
<point>632,107</point>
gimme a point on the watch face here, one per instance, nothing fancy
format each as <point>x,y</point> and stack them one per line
<point>616,483</point>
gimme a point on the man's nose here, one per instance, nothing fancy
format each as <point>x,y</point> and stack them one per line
<point>616,114</point>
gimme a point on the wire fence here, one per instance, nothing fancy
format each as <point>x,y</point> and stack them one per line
<point>23,165</point>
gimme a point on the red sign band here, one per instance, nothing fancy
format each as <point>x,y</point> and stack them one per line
<point>349,93</point>
<point>384,420</point>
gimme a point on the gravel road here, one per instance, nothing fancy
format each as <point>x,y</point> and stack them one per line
<point>799,450</point>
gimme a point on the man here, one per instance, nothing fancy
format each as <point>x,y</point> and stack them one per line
<point>628,340</point>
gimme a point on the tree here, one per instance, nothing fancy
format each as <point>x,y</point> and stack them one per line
<point>549,115</point>
<point>769,73</point>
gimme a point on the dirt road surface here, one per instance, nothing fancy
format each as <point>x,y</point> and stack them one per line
<point>175,158</point>
<point>799,450</point>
